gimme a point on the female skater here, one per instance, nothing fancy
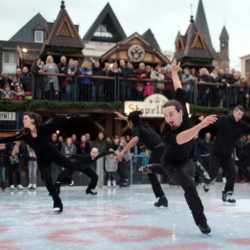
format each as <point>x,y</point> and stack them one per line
<point>141,132</point>
<point>178,138</point>
<point>82,163</point>
<point>37,137</point>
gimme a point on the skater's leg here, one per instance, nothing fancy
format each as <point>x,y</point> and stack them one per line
<point>179,174</point>
<point>46,174</point>
<point>93,180</point>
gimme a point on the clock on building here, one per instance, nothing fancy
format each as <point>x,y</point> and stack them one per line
<point>136,53</point>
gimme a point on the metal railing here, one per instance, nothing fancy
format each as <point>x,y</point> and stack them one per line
<point>117,88</point>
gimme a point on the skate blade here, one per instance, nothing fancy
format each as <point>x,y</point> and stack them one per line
<point>228,204</point>
<point>57,210</point>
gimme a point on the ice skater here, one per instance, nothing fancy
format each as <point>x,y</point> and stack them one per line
<point>178,137</point>
<point>37,136</point>
<point>83,164</point>
<point>142,132</point>
<point>229,129</point>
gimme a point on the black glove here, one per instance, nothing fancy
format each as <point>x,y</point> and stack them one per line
<point>71,115</point>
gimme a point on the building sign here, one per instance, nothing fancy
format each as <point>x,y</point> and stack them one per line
<point>150,107</point>
<point>136,53</point>
<point>7,116</point>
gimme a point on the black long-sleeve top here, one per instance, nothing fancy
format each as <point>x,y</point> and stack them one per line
<point>41,144</point>
<point>174,153</point>
<point>228,133</point>
<point>84,161</point>
<point>146,135</point>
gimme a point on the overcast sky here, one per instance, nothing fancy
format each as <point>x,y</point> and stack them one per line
<point>164,17</point>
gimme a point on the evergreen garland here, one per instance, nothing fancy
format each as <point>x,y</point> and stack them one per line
<point>60,105</point>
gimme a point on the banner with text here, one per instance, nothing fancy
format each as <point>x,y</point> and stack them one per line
<point>150,107</point>
<point>7,116</point>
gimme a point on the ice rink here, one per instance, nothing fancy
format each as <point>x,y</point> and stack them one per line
<point>121,218</point>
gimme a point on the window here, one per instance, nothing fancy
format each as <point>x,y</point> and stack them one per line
<point>103,32</point>
<point>38,36</point>
<point>9,62</point>
<point>9,57</point>
<point>247,65</point>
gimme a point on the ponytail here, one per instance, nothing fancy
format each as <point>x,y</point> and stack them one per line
<point>135,117</point>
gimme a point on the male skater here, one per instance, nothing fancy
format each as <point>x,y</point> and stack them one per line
<point>229,129</point>
<point>178,137</point>
<point>83,164</point>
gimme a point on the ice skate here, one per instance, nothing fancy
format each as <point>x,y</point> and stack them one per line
<point>147,169</point>
<point>227,198</point>
<point>204,227</point>
<point>162,202</point>
<point>91,191</point>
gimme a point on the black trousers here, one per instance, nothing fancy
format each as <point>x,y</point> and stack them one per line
<point>228,166</point>
<point>66,175</point>
<point>92,175</point>
<point>155,157</point>
<point>183,176</point>
<point>44,166</point>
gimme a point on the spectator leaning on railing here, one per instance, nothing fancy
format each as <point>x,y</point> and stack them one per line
<point>108,90</point>
<point>25,79</point>
<point>128,85</point>
<point>140,73</point>
<point>188,79</point>
<point>97,84</point>
<point>70,86</point>
<point>39,86</point>
<point>158,76</point>
<point>205,91</point>
<point>52,85</point>
<point>85,83</point>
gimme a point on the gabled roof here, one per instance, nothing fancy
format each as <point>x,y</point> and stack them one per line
<point>154,54</point>
<point>177,36</point>
<point>201,22</point>
<point>63,32</point>
<point>224,33</point>
<point>195,45</point>
<point>108,18</point>
<point>26,33</point>
<point>149,36</point>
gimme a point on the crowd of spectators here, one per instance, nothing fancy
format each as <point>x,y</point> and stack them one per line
<point>17,156</point>
<point>146,80</point>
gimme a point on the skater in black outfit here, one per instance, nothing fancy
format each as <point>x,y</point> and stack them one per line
<point>83,164</point>
<point>37,136</point>
<point>141,132</point>
<point>229,129</point>
<point>178,137</point>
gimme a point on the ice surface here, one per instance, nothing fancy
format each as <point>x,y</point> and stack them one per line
<point>122,218</point>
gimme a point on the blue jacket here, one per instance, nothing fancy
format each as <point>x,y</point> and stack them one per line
<point>85,72</point>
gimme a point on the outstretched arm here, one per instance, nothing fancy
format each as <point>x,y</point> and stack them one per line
<point>61,121</point>
<point>104,154</point>
<point>174,69</point>
<point>131,144</point>
<point>120,116</point>
<point>11,138</point>
<point>189,134</point>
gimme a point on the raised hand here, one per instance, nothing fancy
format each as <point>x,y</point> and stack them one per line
<point>208,120</point>
<point>175,67</point>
